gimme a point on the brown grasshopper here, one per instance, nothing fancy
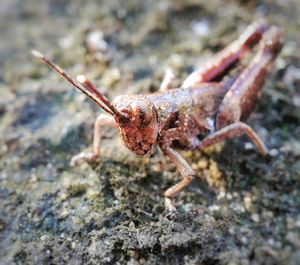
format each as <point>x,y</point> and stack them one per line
<point>201,113</point>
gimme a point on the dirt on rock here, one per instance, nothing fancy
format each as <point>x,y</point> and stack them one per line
<point>243,208</point>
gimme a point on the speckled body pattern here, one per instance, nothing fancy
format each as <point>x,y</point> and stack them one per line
<point>204,111</point>
<point>186,115</point>
<point>187,112</point>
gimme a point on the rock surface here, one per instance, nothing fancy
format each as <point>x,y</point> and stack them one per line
<point>243,209</point>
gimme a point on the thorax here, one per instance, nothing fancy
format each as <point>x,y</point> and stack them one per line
<point>187,109</point>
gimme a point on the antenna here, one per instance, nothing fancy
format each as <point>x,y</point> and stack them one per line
<point>87,87</point>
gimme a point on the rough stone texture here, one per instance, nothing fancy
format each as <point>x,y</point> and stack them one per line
<point>244,209</point>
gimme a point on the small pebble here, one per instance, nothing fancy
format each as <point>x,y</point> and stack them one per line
<point>66,42</point>
<point>238,207</point>
<point>176,61</point>
<point>96,43</point>
<point>65,213</point>
<point>296,100</point>
<point>297,223</point>
<point>290,223</point>
<point>201,28</point>
<point>244,240</point>
<point>273,152</point>
<point>255,217</point>
<point>229,196</point>
<point>214,208</point>
<point>292,74</point>
<point>271,241</point>
<point>249,146</point>
<point>64,196</point>
<point>247,202</point>
<point>231,231</point>
<point>221,195</point>
<point>44,237</point>
<point>132,253</point>
<point>111,77</point>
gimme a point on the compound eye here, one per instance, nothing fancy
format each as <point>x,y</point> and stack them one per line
<point>124,119</point>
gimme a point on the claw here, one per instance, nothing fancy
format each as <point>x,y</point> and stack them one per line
<point>172,211</point>
<point>172,215</point>
<point>83,157</point>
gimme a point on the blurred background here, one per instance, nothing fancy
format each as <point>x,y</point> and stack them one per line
<point>243,209</point>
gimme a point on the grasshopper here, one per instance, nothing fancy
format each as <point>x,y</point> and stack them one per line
<point>204,111</point>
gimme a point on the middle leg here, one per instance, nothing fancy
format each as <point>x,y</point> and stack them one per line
<point>168,80</point>
<point>102,120</point>
<point>232,131</point>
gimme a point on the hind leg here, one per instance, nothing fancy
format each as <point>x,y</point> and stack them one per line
<point>241,97</point>
<point>222,61</point>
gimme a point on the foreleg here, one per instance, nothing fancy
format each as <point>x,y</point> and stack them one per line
<point>185,170</point>
<point>102,120</point>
